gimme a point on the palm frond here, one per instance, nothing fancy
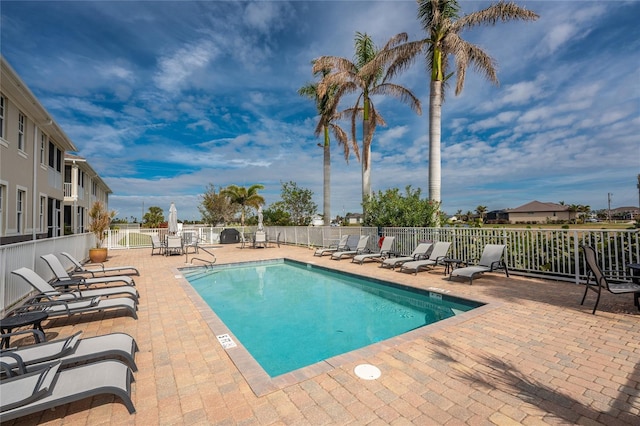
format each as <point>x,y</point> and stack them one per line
<point>501,11</point>
<point>365,50</point>
<point>401,93</point>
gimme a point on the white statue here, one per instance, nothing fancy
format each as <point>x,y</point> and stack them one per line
<point>260,226</point>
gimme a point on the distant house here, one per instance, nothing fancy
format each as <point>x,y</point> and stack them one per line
<point>317,221</point>
<point>497,216</point>
<point>354,218</point>
<point>537,212</point>
<point>625,213</point>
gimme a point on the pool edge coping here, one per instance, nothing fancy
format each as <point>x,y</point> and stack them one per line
<point>262,384</point>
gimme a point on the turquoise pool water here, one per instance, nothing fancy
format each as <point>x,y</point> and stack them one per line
<point>289,315</point>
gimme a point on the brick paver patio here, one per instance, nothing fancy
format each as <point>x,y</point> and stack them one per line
<point>533,355</point>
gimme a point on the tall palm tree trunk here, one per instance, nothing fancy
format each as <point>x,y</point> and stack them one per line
<point>435,134</point>
<point>366,152</point>
<point>327,177</point>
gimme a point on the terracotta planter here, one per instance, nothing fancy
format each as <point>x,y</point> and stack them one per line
<point>98,255</point>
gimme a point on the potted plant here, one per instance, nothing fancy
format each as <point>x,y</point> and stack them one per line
<point>99,225</point>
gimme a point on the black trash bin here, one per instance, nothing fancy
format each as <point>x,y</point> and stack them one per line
<point>229,236</point>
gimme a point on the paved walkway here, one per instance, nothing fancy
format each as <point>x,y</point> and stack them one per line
<point>532,356</point>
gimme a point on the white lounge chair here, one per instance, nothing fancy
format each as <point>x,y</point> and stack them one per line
<point>387,245</point>
<point>491,260</point>
<point>50,387</point>
<point>439,252</point>
<point>361,248</point>
<point>45,289</point>
<point>419,252</point>
<point>79,268</point>
<point>341,245</point>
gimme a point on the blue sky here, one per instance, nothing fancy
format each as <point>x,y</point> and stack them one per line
<point>164,98</point>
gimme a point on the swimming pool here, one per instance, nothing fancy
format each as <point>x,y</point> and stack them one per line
<point>290,314</point>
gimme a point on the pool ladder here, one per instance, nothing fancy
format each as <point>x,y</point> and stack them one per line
<point>208,263</point>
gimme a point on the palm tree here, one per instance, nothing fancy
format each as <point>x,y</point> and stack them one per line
<point>244,197</point>
<point>327,111</point>
<point>573,210</point>
<point>443,25</point>
<point>481,210</point>
<point>584,211</point>
<point>367,75</point>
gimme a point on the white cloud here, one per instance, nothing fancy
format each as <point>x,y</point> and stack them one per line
<point>174,70</point>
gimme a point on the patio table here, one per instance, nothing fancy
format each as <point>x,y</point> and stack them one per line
<point>20,320</point>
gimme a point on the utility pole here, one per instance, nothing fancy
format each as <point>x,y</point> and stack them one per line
<point>609,201</point>
<point>638,190</point>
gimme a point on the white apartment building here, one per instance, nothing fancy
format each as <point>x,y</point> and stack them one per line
<point>35,168</point>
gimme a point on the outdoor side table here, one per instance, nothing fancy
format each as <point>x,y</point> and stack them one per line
<point>449,264</point>
<point>20,320</point>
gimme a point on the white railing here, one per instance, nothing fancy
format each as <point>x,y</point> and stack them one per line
<point>546,253</point>
<point>27,254</point>
<point>67,189</point>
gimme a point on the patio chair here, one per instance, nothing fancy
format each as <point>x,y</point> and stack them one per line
<point>244,242</point>
<point>275,240</point>
<point>157,244</point>
<point>64,279</point>
<point>190,239</point>
<point>72,350</point>
<point>491,260</point>
<point>340,245</point>
<point>387,245</point>
<point>421,251</point>
<point>173,246</point>
<point>57,307</point>
<point>616,285</point>
<point>360,249</point>
<point>45,289</point>
<point>79,268</point>
<point>439,252</point>
<point>50,387</point>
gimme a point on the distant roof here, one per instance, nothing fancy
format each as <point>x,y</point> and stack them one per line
<point>625,210</point>
<point>537,206</point>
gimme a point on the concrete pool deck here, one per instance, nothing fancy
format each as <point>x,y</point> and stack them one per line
<point>533,355</point>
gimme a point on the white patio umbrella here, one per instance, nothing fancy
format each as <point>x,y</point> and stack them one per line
<point>173,219</point>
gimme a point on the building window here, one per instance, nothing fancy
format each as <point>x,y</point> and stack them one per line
<point>3,105</point>
<point>20,209</point>
<point>94,188</point>
<point>43,206</point>
<point>55,157</point>
<point>2,192</point>
<point>21,131</point>
<point>80,220</point>
<point>43,149</point>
